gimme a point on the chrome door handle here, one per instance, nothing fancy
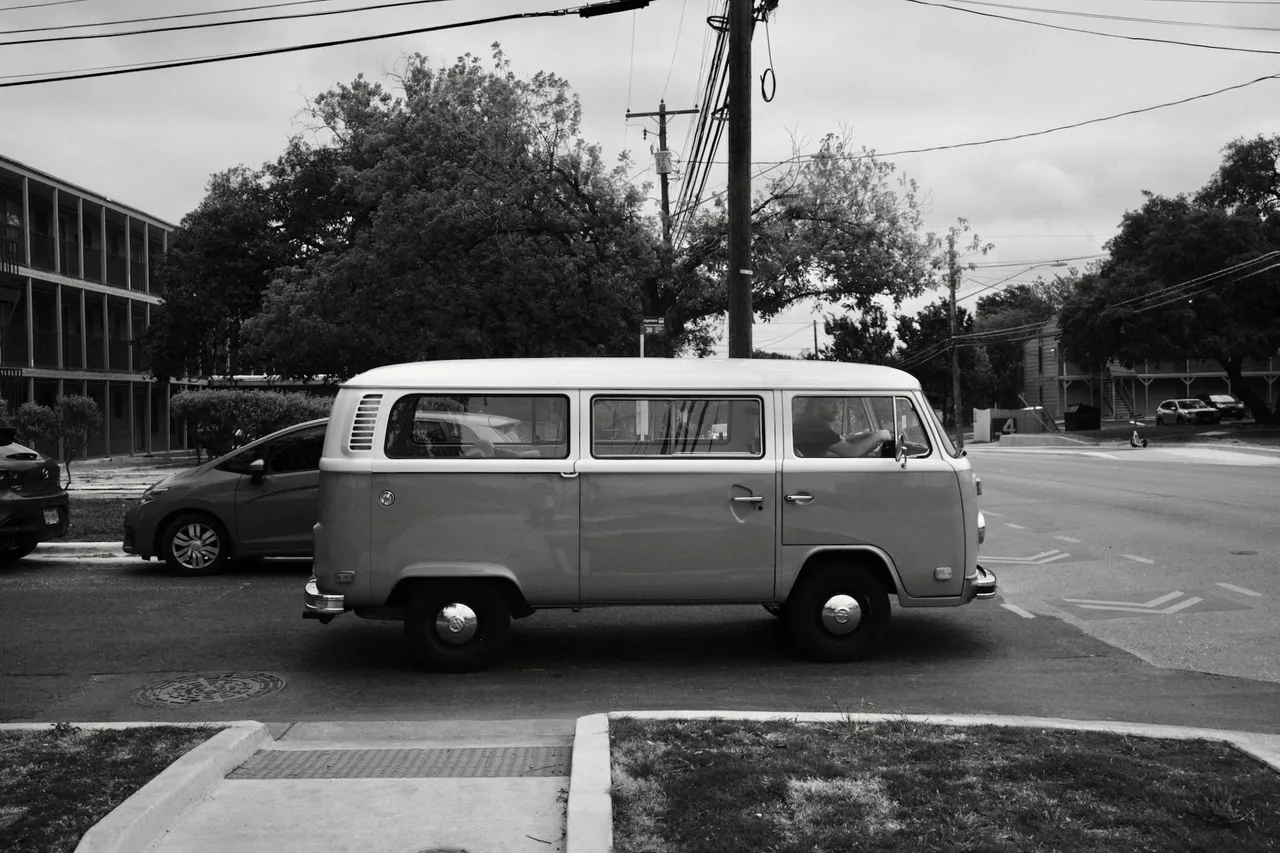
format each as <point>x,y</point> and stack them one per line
<point>749,499</point>
<point>800,499</point>
<point>569,475</point>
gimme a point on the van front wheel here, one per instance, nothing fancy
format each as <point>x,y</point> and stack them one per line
<point>838,613</point>
<point>457,626</point>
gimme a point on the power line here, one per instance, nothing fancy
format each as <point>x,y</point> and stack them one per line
<point>39,5</point>
<point>1092,32</point>
<point>589,10</point>
<point>1128,19</point>
<point>151,18</point>
<point>212,24</point>
<point>674,49</point>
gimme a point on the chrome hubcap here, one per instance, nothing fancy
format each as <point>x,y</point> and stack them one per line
<point>841,614</point>
<point>196,546</point>
<point>456,624</point>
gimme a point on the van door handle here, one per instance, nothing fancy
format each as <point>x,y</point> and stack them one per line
<point>799,499</point>
<point>568,475</point>
<point>749,499</point>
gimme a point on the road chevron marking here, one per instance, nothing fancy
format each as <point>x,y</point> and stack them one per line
<point>1155,602</point>
<point>1181,605</point>
<point>1037,560</point>
<point>1239,589</point>
<point>1068,539</point>
<point>1013,608</point>
<point>1014,526</point>
<point>1137,559</point>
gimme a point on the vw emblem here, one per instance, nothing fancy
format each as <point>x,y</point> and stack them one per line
<point>44,473</point>
<point>387,498</point>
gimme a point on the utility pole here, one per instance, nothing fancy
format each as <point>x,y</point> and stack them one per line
<point>663,161</point>
<point>815,340</point>
<point>739,195</point>
<point>955,352</point>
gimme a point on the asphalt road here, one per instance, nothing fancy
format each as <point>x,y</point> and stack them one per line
<point>78,641</point>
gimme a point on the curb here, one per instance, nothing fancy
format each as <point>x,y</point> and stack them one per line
<point>143,818</point>
<point>589,813</point>
<point>589,825</point>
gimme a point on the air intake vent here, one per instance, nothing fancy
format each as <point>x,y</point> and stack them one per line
<point>366,418</point>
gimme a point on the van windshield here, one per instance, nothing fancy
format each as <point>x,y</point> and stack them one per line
<point>948,446</point>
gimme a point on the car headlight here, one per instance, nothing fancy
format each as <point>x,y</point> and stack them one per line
<point>982,527</point>
<point>151,494</point>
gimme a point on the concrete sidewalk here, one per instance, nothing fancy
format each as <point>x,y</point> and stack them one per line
<point>495,786</point>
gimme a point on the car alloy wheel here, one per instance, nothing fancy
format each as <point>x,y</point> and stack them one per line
<point>194,544</point>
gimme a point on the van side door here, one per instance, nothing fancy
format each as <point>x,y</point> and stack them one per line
<point>842,486</point>
<point>678,497</point>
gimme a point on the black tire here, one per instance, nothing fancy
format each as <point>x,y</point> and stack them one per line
<point>16,547</point>
<point>435,636</point>
<point>814,634</point>
<point>1178,420</point>
<point>195,544</point>
<point>1159,421</point>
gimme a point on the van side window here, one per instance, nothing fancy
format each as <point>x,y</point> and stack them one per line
<point>478,426</point>
<point>701,427</point>
<point>855,427</point>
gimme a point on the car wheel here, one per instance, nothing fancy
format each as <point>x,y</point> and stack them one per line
<point>457,626</point>
<point>838,613</point>
<point>1159,421</point>
<point>195,544</point>
<point>1178,420</point>
<point>17,547</point>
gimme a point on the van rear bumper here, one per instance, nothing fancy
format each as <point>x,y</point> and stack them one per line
<point>319,605</point>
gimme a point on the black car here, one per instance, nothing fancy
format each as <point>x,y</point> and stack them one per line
<point>1227,405</point>
<point>33,504</point>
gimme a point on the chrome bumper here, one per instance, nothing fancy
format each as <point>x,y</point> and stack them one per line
<point>318,605</point>
<point>984,585</point>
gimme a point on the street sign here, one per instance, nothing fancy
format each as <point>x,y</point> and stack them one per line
<point>654,325</point>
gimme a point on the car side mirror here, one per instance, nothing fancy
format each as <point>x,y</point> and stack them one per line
<point>258,470</point>
<point>900,450</point>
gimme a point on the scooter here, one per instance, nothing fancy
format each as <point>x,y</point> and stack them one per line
<point>1135,440</point>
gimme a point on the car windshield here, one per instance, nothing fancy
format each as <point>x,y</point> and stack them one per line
<point>1222,398</point>
<point>1190,404</point>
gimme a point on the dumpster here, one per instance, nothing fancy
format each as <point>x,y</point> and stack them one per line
<point>1079,416</point>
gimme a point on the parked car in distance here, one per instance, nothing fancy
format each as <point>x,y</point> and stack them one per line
<point>1227,405</point>
<point>256,501</point>
<point>33,504</point>
<point>1186,411</point>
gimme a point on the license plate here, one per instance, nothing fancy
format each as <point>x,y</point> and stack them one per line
<point>51,516</point>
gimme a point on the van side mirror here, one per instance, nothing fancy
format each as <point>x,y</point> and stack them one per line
<point>900,449</point>
<point>257,470</point>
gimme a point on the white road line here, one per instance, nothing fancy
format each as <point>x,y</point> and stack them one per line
<point>993,514</point>
<point>1014,526</point>
<point>1067,539</point>
<point>1013,608</point>
<point>1155,602</point>
<point>1239,589</point>
<point>1136,558</point>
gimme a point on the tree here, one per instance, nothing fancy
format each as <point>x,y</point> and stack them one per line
<point>925,355</point>
<point>219,262</point>
<point>1182,278</point>
<point>866,340</point>
<point>1017,307</point>
<point>472,220</point>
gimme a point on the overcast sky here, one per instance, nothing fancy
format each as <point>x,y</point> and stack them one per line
<point>901,75</point>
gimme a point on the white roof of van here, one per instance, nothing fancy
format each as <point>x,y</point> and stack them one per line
<point>652,374</point>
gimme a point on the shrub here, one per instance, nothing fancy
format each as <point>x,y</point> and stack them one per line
<point>67,426</point>
<point>223,419</point>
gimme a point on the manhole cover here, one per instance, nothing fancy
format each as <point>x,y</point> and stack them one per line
<point>1245,553</point>
<point>207,687</point>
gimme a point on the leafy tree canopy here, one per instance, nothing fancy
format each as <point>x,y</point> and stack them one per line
<point>1017,308</point>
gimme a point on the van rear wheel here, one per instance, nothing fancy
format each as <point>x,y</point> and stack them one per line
<point>457,626</point>
<point>838,613</point>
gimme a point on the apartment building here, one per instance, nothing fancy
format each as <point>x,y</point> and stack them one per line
<point>1052,381</point>
<point>76,293</point>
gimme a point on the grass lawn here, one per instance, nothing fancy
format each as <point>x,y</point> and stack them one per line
<point>56,783</point>
<point>97,519</point>
<point>681,786</point>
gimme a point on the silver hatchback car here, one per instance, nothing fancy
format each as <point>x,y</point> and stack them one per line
<point>257,501</point>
